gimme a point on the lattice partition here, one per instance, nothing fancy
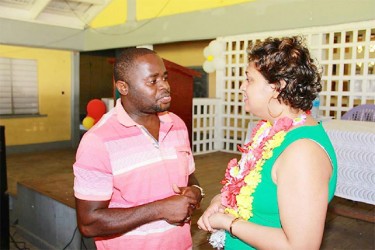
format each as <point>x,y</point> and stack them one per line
<point>205,125</point>
<point>345,52</point>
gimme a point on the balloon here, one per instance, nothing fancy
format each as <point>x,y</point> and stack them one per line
<point>88,122</point>
<point>216,47</point>
<point>207,52</point>
<point>208,67</point>
<point>96,109</point>
<point>214,56</point>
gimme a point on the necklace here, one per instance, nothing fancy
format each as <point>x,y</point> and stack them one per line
<point>242,178</point>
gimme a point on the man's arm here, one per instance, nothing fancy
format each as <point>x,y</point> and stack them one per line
<point>192,180</point>
<point>96,219</point>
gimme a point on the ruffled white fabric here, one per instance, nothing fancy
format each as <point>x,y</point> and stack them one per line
<point>354,143</point>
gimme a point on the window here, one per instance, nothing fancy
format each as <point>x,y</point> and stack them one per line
<point>18,87</point>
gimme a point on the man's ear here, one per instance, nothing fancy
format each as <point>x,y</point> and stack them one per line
<point>122,87</point>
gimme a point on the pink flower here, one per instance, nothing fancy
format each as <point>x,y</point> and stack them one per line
<point>243,149</point>
<point>230,191</point>
<point>284,123</point>
<point>232,163</point>
<point>255,130</point>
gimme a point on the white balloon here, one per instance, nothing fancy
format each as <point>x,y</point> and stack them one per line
<point>208,67</point>
<point>217,47</point>
<point>207,52</point>
<point>219,63</point>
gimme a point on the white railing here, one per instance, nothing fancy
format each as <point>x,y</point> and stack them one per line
<point>206,125</point>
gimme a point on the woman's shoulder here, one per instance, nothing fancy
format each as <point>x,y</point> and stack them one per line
<point>306,156</point>
<point>307,138</point>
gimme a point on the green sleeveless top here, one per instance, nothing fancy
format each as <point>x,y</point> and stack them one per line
<point>265,206</point>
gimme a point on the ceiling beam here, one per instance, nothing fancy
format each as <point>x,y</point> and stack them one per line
<point>14,13</point>
<point>38,7</point>
<point>94,2</point>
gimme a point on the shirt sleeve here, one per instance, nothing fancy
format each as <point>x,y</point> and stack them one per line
<point>93,179</point>
<point>187,142</point>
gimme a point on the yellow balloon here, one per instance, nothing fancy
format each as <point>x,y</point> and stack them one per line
<point>88,122</point>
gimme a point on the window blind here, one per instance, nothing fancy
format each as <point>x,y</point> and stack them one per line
<point>18,86</point>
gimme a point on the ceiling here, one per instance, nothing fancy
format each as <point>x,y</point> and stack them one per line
<point>90,25</point>
<point>65,13</point>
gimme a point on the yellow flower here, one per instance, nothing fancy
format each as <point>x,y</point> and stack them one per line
<point>277,139</point>
<point>231,211</point>
<point>243,200</point>
<point>267,154</point>
<point>253,177</point>
<point>245,213</point>
<point>259,164</point>
<point>246,190</point>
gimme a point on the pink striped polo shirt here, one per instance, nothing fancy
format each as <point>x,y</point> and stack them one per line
<point>118,160</point>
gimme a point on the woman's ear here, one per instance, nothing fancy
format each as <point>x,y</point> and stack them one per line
<point>122,87</point>
<point>277,88</point>
<point>273,89</point>
<point>282,84</point>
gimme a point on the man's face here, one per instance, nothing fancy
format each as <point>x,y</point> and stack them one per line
<point>149,91</point>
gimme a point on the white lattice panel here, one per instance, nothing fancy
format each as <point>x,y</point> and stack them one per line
<point>205,125</point>
<point>346,54</point>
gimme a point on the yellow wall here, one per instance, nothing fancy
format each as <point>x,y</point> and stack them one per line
<point>54,78</point>
<point>187,54</point>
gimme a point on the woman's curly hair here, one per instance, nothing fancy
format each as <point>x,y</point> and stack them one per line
<point>289,60</point>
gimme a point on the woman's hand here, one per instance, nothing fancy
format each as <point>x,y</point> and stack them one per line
<point>220,220</point>
<point>215,207</point>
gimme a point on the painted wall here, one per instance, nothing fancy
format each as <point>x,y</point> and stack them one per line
<point>188,54</point>
<point>54,78</point>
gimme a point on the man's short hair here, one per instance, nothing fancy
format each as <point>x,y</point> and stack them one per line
<point>125,62</point>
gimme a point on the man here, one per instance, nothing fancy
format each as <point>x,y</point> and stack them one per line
<point>134,183</point>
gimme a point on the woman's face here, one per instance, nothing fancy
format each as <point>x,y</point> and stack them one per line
<point>256,91</point>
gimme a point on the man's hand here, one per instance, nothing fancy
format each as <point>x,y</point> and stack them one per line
<point>177,208</point>
<point>190,191</point>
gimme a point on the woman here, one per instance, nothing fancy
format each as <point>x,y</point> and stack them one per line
<point>276,196</point>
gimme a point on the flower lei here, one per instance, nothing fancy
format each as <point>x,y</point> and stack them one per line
<point>242,178</point>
